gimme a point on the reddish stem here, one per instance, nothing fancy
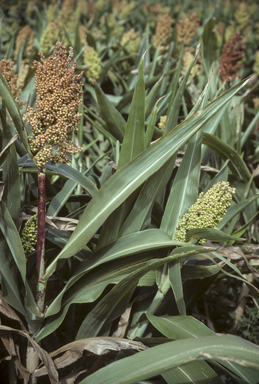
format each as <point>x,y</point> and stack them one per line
<point>41,285</point>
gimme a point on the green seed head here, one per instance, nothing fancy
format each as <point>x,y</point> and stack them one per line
<point>29,235</point>
<point>208,210</point>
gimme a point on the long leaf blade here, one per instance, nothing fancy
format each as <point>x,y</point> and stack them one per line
<point>11,176</point>
<point>159,359</point>
<point>133,142</point>
<point>116,124</point>
<point>14,112</point>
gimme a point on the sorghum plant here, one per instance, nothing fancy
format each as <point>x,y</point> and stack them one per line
<point>59,96</point>
<point>122,273</point>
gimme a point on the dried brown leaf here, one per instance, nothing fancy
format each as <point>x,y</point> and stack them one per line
<point>32,359</point>
<point>6,310</point>
<point>249,249</point>
<point>236,254</point>
<point>231,252</point>
<point>13,351</point>
<point>6,336</point>
<point>62,223</point>
<point>71,352</point>
<point>123,323</point>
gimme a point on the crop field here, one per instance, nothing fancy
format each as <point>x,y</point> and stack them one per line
<point>129,192</point>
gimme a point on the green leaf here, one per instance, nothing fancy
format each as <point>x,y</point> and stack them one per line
<point>210,45</point>
<point>192,373</point>
<point>236,163</point>
<point>249,129</point>
<point>183,194</point>
<point>198,271</point>
<point>10,48</point>
<point>13,239</point>
<point>6,150</point>
<point>17,259</point>
<point>83,296</point>
<point>235,210</point>
<point>166,70</point>
<point>239,168</point>
<point>14,112</point>
<point>59,238</point>
<point>109,63</point>
<point>175,279</point>
<point>175,101</point>
<point>142,241</point>
<point>85,290</point>
<point>61,198</point>
<point>102,130</point>
<point>222,175</point>
<point>240,231</point>
<point>184,191</point>
<point>213,234</point>
<point>11,177</point>
<point>10,278</point>
<point>146,198</point>
<point>115,302</point>
<point>238,275</point>
<point>137,243</point>
<point>68,172</point>
<point>86,285</point>
<point>116,124</point>
<point>127,179</point>
<point>133,142</point>
<point>180,327</point>
<point>150,127</point>
<point>154,63</point>
<point>227,131</point>
<point>152,97</point>
<point>214,123</point>
<point>156,360</point>
<point>74,174</point>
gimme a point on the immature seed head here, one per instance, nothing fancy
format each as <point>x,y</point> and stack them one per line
<point>91,58</point>
<point>208,210</point>
<point>29,235</point>
<point>162,123</point>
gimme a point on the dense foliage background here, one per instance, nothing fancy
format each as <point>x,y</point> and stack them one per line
<point>145,148</point>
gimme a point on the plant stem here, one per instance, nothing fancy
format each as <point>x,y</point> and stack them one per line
<point>41,285</point>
